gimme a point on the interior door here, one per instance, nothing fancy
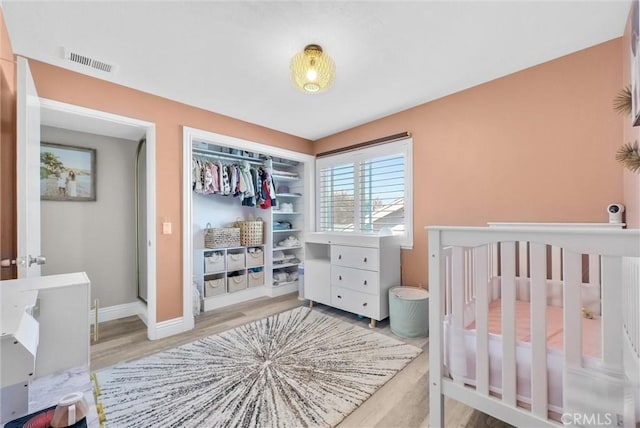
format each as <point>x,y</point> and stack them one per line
<point>28,173</point>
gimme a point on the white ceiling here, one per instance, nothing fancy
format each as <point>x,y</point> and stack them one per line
<point>233,57</point>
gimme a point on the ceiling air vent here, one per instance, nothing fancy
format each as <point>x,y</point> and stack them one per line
<point>87,61</point>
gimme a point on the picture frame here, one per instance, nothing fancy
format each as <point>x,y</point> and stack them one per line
<point>635,62</point>
<point>67,173</point>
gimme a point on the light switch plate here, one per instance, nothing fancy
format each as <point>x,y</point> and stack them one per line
<point>166,228</point>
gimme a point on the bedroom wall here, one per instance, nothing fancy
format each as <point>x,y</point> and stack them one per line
<point>169,116</point>
<point>631,181</point>
<point>96,237</point>
<point>538,145</point>
<point>8,248</point>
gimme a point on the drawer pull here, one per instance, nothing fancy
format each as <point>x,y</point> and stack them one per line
<point>340,277</point>
<point>365,260</point>
<point>339,296</point>
<point>364,304</point>
<point>365,282</point>
<point>339,256</point>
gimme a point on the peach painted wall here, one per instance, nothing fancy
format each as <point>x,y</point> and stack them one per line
<point>169,116</point>
<point>8,248</point>
<point>631,181</point>
<point>537,145</point>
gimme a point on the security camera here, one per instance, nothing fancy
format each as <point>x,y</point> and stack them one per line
<point>615,213</point>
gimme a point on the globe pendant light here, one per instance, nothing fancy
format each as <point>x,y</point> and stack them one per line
<point>312,70</point>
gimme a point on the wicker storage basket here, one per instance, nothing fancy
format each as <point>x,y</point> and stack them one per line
<point>235,261</point>
<point>236,283</point>
<point>255,257</point>
<point>214,287</point>
<point>251,232</point>
<point>222,237</point>
<point>256,279</point>
<point>213,261</point>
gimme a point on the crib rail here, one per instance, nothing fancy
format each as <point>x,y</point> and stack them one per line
<point>586,272</point>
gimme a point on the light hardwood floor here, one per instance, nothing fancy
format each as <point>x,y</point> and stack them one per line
<point>402,402</point>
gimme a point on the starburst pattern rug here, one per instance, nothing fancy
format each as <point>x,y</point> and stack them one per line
<point>297,368</point>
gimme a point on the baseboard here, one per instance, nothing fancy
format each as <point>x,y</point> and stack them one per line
<point>116,312</point>
<point>142,311</point>
<point>171,327</point>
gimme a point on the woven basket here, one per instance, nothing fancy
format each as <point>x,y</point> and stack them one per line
<point>222,237</point>
<point>251,232</point>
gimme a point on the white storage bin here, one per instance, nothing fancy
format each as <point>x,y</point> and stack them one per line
<point>255,257</point>
<point>237,283</point>
<point>213,261</point>
<point>235,261</point>
<point>214,287</point>
<point>256,279</point>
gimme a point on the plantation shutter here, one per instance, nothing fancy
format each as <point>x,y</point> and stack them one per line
<point>337,198</point>
<point>366,190</point>
<point>382,193</point>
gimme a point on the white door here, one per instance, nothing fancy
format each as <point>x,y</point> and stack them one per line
<point>28,173</point>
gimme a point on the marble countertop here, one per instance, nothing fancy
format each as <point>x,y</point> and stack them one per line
<point>47,391</point>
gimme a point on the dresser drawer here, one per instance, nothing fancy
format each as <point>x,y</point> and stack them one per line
<point>355,302</point>
<point>355,257</point>
<point>365,281</point>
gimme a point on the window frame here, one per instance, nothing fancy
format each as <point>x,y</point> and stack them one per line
<point>357,156</point>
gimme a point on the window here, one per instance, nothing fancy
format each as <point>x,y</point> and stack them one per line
<point>367,190</point>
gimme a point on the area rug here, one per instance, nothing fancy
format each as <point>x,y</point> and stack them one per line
<point>298,368</point>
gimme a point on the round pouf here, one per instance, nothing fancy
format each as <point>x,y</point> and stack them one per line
<point>409,311</point>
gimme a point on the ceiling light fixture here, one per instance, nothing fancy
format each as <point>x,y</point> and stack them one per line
<point>312,70</point>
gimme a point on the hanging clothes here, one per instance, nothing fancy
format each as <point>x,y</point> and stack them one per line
<point>253,186</point>
<point>268,195</point>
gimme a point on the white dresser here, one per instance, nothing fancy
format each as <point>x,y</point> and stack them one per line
<point>352,272</point>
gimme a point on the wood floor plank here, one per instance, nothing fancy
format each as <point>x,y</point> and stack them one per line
<point>402,402</point>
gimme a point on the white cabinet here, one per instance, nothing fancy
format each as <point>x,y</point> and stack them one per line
<point>352,271</point>
<point>45,330</point>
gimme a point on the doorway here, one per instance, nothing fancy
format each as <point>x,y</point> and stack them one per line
<point>130,133</point>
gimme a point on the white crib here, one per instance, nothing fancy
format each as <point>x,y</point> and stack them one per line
<point>537,326</point>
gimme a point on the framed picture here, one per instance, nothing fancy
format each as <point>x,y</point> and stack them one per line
<point>67,173</point>
<point>635,62</point>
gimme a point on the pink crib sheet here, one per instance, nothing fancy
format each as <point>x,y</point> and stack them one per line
<point>590,327</point>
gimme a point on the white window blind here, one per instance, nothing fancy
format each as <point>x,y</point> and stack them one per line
<point>382,193</point>
<point>367,190</point>
<point>337,198</point>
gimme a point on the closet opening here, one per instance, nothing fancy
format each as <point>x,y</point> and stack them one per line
<point>247,207</point>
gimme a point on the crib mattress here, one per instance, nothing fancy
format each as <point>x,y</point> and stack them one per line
<point>460,355</point>
<point>591,330</point>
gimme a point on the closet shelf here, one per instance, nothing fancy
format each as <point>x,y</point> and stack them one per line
<point>281,163</point>
<point>280,284</point>
<point>276,212</point>
<point>284,177</point>
<point>227,156</point>
<point>276,248</point>
<point>286,230</point>
<point>284,265</point>
<point>288,195</point>
<point>284,259</point>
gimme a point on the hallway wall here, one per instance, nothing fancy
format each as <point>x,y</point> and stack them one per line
<point>96,237</point>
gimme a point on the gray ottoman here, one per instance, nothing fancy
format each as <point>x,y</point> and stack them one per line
<point>409,311</point>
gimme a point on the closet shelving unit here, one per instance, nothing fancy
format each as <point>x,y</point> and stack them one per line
<point>281,263</point>
<point>289,210</point>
